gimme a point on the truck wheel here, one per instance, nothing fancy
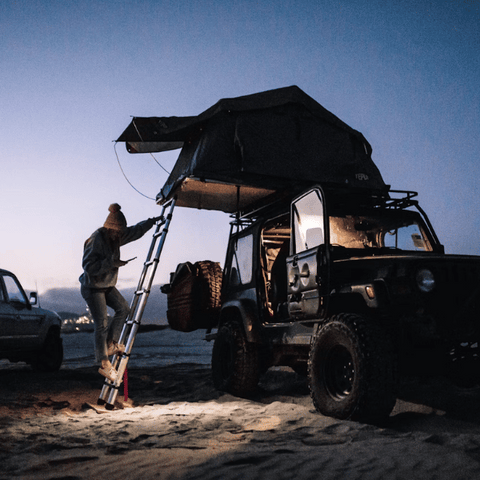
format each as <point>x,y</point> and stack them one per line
<point>211,273</point>
<point>50,357</point>
<point>351,369</point>
<point>235,362</point>
<point>463,364</point>
<point>211,288</point>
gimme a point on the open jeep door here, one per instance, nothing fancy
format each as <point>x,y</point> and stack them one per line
<point>307,269</point>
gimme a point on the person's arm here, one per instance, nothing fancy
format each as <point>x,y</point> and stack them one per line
<point>137,231</point>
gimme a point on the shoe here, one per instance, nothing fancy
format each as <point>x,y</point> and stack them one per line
<point>115,349</point>
<point>108,372</point>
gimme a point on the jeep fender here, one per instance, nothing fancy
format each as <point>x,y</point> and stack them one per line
<point>245,312</point>
<point>360,297</point>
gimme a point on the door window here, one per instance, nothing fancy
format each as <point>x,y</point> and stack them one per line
<point>308,222</point>
<point>14,292</point>
<point>241,272</point>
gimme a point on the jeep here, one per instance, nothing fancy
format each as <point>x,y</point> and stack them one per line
<point>351,288</point>
<point>328,270</point>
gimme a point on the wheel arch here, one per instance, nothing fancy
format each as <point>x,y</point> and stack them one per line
<point>355,298</point>
<point>54,330</point>
<point>245,314</point>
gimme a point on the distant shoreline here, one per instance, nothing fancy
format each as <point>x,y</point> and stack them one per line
<point>143,328</point>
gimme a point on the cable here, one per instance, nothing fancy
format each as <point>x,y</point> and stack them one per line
<point>130,183</point>
<point>159,164</point>
<point>141,139</point>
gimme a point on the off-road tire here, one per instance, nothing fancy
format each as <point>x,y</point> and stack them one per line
<point>210,297</point>
<point>50,357</point>
<point>352,370</point>
<point>194,296</point>
<point>235,361</point>
<point>463,364</point>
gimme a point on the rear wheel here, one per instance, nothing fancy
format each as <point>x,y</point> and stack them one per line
<point>235,361</point>
<point>352,370</point>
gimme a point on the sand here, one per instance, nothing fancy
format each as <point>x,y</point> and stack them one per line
<point>175,425</point>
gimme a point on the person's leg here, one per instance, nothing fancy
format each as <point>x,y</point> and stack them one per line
<point>121,308</point>
<point>97,304</point>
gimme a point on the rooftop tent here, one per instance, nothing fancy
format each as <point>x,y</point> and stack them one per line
<point>243,149</point>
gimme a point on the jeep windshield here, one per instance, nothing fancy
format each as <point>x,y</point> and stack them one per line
<point>381,230</point>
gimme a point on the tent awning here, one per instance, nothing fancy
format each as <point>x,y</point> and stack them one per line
<point>251,146</point>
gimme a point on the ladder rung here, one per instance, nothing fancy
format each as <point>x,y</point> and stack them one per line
<point>151,262</point>
<point>142,291</point>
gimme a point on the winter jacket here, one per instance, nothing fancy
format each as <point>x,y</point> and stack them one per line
<point>100,253</point>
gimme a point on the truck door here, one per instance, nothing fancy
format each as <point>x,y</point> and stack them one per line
<point>19,322</point>
<point>306,263</point>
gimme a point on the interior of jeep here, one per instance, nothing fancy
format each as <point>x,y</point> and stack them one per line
<point>275,244</point>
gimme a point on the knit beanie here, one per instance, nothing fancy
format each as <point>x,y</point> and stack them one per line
<point>116,219</point>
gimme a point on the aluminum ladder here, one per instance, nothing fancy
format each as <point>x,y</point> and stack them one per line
<point>110,389</point>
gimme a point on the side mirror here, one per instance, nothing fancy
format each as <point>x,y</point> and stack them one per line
<point>33,298</point>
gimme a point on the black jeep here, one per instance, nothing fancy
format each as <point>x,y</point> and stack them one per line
<point>353,288</point>
<point>328,270</point>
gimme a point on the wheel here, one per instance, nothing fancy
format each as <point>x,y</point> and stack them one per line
<point>235,362</point>
<point>50,357</point>
<point>352,371</point>
<point>210,291</point>
<point>463,364</point>
<point>194,296</point>
<point>211,273</point>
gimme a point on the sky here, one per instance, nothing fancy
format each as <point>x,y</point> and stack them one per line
<point>405,73</point>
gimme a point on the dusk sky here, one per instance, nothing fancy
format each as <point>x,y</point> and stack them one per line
<point>405,73</point>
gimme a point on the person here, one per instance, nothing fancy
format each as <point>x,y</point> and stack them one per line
<point>101,261</point>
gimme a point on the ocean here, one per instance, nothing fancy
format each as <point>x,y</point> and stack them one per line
<point>152,348</point>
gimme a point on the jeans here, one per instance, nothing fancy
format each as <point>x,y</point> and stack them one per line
<point>98,300</point>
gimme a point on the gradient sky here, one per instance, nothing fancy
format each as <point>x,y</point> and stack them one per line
<point>405,73</point>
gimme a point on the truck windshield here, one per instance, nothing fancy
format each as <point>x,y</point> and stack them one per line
<point>402,230</point>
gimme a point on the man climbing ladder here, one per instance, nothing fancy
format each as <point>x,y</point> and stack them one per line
<point>101,261</point>
<point>126,339</point>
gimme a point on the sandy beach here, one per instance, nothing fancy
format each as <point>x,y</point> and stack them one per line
<point>175,425</point>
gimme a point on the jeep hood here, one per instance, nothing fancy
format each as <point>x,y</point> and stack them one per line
<point>243,149</point>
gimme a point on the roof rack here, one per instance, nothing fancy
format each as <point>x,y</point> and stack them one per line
<point>401,203</point>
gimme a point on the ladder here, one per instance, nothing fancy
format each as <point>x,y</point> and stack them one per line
<point>110,389</point>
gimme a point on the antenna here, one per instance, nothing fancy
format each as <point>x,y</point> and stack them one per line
<point>38,297</point>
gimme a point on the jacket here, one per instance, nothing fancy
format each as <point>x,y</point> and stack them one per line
<point>99,270</point>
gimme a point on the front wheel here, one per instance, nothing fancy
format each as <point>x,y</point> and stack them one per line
<point>351,370</point>
<point>235,361</point>
<point>50,357</point>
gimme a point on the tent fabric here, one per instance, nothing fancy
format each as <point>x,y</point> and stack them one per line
<point>267,142</point>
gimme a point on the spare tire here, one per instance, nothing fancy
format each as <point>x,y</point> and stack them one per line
<point>194,296</point>
<point>210,276</point>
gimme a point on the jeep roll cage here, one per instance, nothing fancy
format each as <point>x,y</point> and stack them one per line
<point>341,199</point>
